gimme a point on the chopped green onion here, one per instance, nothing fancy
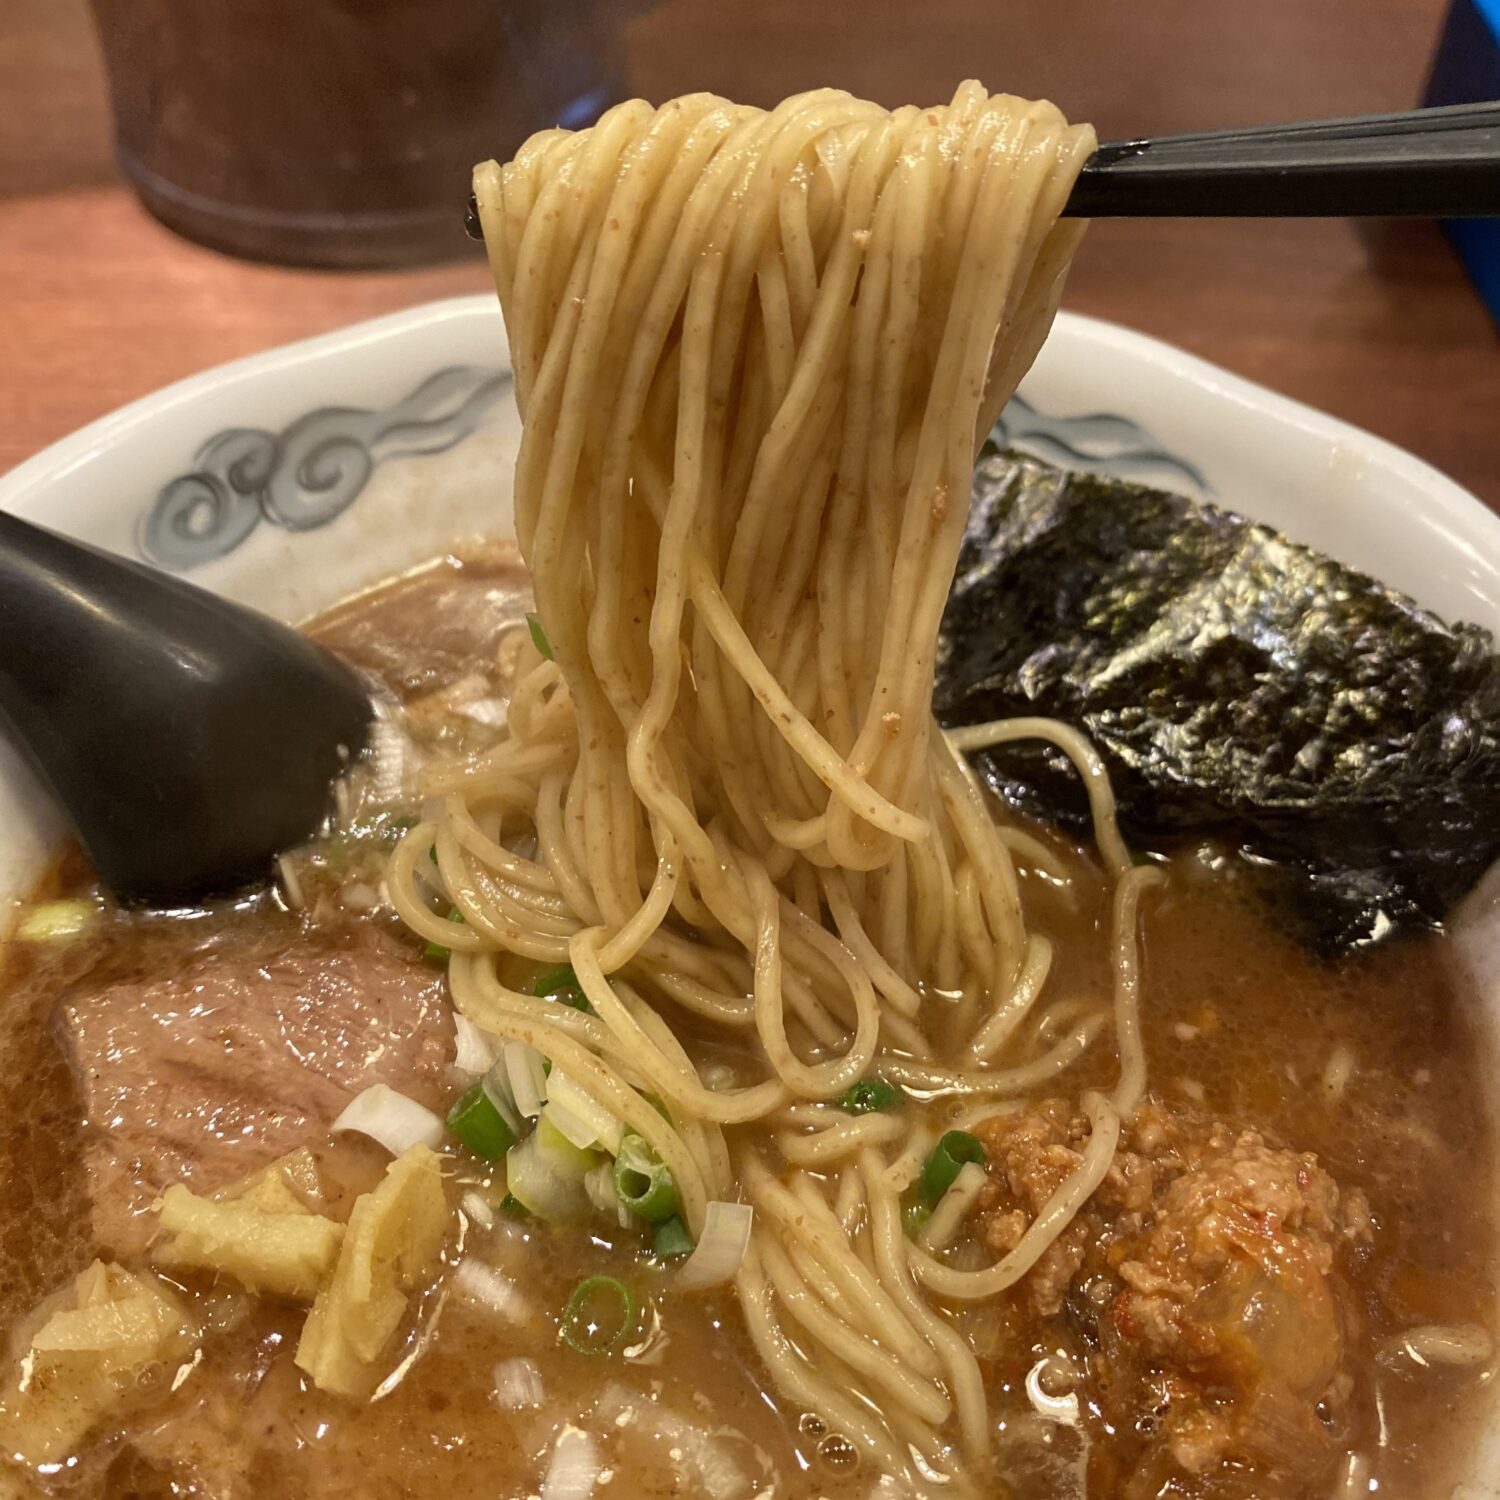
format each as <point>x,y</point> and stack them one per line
<point>539,636</point>
<point>643,1182</point>
<point>436,950</point>
<point>948,1157</point>
<point>477,1123</point>
<point>546,1171</point>
<point>562,984</point>
<point>913,1216</point>
<point>599,1184</point>
<point>496,1086</point>
<point>56,921</point>
<point>670,1238</point>
<point>599,1316</point>
<point>579,1117</point>
<point>523,1073</point>
<point>869,1095</point>
<point>512,1205</point>
<point>561,1154</point>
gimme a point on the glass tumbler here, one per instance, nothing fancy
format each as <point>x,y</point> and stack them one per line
<point>342,132</point>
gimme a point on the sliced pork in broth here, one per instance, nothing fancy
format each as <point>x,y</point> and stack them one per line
<point>244,1055</point>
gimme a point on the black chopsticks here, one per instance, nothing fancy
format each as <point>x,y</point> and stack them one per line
<point>1437,163</point>
<point>1422,163</point>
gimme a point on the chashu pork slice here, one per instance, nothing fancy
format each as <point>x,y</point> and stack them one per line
<point>203,1076</point>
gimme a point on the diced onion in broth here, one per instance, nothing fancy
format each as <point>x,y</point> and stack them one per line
<point>493,1290</point>
<point>391,1119</point>
<point>518,1385</point>
<point>475,1052</point>
<point>720,1249</point>
<point>574,1469</point>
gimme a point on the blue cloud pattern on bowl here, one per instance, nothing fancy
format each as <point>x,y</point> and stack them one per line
<point>1099,442</point>
<point>310,473</point>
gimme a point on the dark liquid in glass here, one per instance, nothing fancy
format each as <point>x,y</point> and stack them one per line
<point>342,132</point>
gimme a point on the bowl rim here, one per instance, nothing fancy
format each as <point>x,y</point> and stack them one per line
<point>1466,515</point>
<point>19,487</point>
<point>1460,516</point>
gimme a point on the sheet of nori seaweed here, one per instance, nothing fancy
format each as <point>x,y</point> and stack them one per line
<point>1239,685</point>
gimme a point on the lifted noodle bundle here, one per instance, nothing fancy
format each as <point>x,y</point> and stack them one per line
<point>754,353</point>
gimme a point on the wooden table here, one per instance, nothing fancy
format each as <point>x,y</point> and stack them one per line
<point>99,304</point>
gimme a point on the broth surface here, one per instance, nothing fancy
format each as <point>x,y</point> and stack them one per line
<point>1370,1063</point>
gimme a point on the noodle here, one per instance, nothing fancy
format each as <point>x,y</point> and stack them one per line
<point>953,1208</point>
<point>754,352</point>
<point>1057,1213</point>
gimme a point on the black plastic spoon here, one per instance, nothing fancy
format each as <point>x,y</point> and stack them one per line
<point>188,739</point>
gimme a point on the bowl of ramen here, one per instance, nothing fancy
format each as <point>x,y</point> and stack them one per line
<point>679,1066</point>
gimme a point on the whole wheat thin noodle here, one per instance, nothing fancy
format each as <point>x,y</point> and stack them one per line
<point>754,352</point>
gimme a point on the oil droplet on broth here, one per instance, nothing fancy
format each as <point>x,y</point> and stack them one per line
<point>837,1454</point>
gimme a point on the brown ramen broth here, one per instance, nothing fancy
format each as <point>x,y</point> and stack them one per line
<point>130,1036</point>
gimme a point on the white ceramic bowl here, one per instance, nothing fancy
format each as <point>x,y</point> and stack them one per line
<point>291,478</point>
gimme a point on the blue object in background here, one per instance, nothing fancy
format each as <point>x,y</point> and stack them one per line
<point>1466,70</point>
